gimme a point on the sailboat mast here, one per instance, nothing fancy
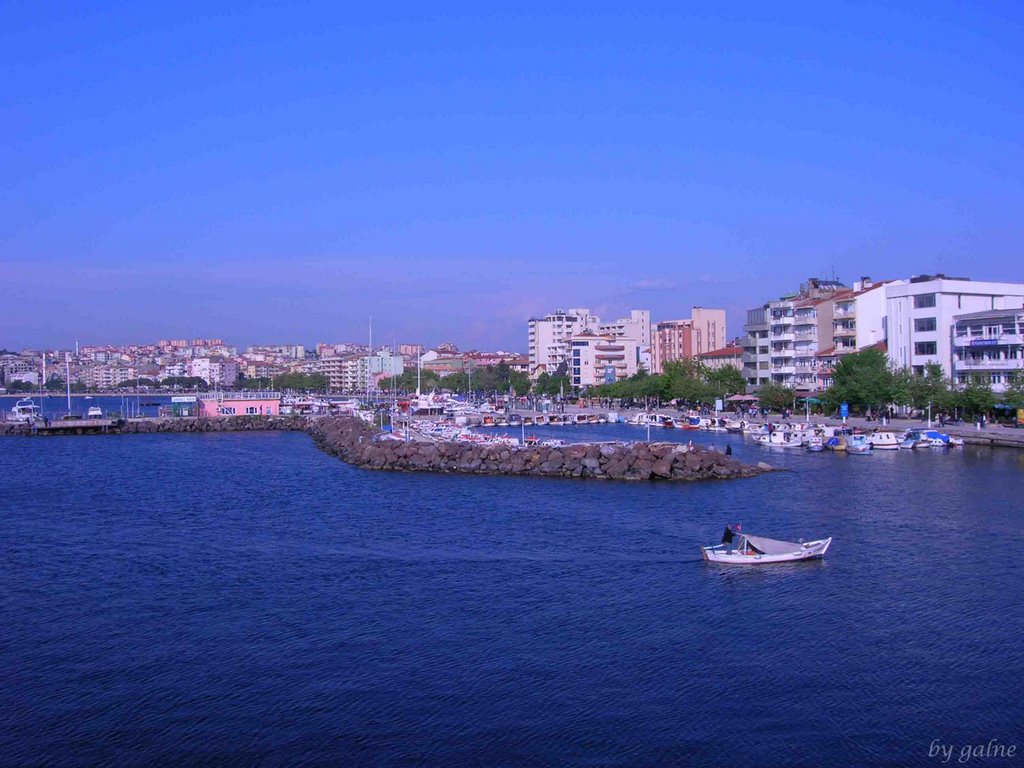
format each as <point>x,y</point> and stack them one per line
<point>67,378</point>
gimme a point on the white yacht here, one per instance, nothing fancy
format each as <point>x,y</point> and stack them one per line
<point>25,410</point>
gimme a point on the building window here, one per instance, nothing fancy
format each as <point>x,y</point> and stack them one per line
<point>925,348</point>
<point>923,324</point>
<point>252,410</point>
<point>924,300</point>
<point>997,378</point>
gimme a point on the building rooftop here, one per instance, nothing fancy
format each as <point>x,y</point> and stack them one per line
<point>988,313</point>
<point>723,352</point>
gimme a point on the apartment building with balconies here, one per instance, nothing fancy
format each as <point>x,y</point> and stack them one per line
<point>673,340</point>
<point>989,345</point>
<point>601,358</point>
<point>921,313</point>
<point>548,337</point>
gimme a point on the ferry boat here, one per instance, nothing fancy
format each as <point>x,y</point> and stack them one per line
<point>25,410</point>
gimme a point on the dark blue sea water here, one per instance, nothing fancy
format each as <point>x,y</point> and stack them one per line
<point>246,599</point>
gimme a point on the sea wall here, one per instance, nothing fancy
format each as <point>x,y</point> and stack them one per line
<point>163,425</point>
<point>361,445</point>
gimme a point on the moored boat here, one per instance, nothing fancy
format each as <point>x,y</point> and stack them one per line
<point>25,410</point>
<point>884,440</point>
<point>858,445</point>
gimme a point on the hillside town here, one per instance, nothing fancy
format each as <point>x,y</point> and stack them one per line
<point>969,329</point>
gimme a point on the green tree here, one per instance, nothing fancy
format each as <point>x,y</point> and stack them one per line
<point>1015,391</point>
<point>921,390</point>
<point>306,382</point>
<point>976,397</point>
<point>726,381</point>
<point>864,380</point>
<point>185,382</point>
<point>775,397</point>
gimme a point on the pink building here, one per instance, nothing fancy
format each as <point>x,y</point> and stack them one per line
<point>682,339</point>
<point>240,404</point>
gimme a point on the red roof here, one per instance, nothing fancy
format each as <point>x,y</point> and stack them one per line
<point>723,352</point>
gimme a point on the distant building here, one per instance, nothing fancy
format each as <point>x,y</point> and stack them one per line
<point>358,372</point>
<point>989,345</point>
<point>675,340</point>
<point>215,371</point>
<point>722,358</point>
<point>548,335</point>
<point>240,404</point>
<point>601,358</point>
<point>922,311</point>
<point>783,337</point>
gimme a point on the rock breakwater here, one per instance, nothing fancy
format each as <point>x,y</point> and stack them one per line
<point>361,445</point>
<point>153,426</point>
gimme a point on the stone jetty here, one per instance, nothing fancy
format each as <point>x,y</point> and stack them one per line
<point>362,445</point>
<point>154,426</point>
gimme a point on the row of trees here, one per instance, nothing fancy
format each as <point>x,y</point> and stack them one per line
<point>689,380</point>
<point>491,378</point>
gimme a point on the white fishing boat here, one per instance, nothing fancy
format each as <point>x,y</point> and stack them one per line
<point>738,548</point>
<point>781,439</point>
<point>884,440</point>
<point>815,444</point>
<point>858,445</point>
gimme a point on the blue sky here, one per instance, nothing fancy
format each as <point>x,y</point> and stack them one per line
<point>280,172</point>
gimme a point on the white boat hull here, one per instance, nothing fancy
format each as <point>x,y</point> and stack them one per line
<point>811,550</point>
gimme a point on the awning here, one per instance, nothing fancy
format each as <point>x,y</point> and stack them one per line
<point>772,546</point>
<point>811,400</point>
<point>741,399</point>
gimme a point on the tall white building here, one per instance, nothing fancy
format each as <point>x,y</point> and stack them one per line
<point>215,371</point>
<point>548,336</point>
<point>636,327</point>
<point>601,358</point>
<point>921,312</point>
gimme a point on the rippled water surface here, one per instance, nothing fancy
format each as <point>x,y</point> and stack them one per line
<point>245,598</point>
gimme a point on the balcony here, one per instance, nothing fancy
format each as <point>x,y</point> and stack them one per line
<point>782,352</point>
<point>841,331</point>
<point>783,336</point>
<point>990,365</point>
<point>783,370</point>
<point>844,312</point>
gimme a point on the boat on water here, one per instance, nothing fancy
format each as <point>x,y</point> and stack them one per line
<point>884,440</point>
<point>936,439</point>
<point>739,548</point>
<point>858,445</point>
<point>781,439</point>
<point>815,444</point>
<point>94,412</point>
<point>25,410</point>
